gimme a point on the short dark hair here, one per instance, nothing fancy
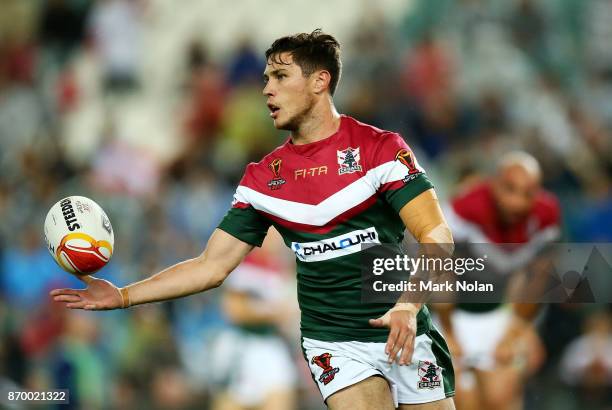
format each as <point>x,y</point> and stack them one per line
<point>311,51</point>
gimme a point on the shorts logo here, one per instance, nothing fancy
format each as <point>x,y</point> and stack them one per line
<point>430,375</point>
<point>348,160</point>
<point>324,362</point>
<point>406,157</point>
<point>277,181</point>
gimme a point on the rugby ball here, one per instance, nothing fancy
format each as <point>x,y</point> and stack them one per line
<point>79,235</point>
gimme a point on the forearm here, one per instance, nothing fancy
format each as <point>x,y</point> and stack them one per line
<point>444,311</point>
<point>183,279</point>
<point>435,241</point>
<point>252,313</point>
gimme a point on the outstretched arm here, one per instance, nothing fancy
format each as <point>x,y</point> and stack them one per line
<point>222,254</point>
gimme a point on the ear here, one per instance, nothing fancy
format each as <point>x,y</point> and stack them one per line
<point>322,79</point>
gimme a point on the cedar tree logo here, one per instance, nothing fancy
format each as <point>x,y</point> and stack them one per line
<point>429,375</point>
<point>348,160</point>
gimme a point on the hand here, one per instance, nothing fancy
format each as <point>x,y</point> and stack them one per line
<point>508,347</point>
<point>100,294</point>
<point>454,347</point>
<point>401,320</point>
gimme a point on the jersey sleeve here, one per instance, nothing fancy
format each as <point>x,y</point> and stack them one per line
<point>244,222</point>
<point>399,176</point>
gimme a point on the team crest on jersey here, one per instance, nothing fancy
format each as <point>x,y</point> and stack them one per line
<point>430,375</point>
<point>324,362</point>
<point>406,158</point>
<point>277,181</point>
<point>348,160</point>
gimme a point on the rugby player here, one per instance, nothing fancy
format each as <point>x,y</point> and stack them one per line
<point>334,185</point>
<point>495,346</point>
<point>251,364</point>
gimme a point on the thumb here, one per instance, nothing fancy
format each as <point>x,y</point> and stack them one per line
<point>86,279</point>
<point>377,322</point>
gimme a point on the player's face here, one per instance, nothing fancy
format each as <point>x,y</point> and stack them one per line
<point>289,93</point>
<point>515,191</point>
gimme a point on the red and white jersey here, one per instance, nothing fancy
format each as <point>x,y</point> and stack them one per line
<point>473,217</point>
<point>327,199</point>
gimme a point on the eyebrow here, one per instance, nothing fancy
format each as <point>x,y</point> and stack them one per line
<point>273,73</point>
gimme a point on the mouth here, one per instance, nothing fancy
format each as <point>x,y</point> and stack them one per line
<point>274,109</point>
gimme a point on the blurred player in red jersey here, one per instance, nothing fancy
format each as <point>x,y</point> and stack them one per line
<point>251,362</point>
<point>495,345</point>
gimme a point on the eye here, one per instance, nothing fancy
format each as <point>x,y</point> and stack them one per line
<point>281,76</point>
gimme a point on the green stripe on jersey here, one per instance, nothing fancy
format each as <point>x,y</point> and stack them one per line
<point>246,224</point>
<point>400,197</point>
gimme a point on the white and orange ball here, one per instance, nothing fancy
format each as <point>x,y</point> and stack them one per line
<point>79,235</point>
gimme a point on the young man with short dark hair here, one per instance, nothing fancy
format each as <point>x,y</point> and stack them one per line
<point>334,185</point>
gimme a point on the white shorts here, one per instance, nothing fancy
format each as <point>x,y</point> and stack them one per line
<point>478,335</point>
<point>249,366</point>
<point>336,365</point>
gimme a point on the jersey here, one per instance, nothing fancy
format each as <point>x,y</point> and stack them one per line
<point>326,199</point>
<point>473,218</point>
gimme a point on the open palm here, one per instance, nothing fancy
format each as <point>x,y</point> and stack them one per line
<point>100,294</point>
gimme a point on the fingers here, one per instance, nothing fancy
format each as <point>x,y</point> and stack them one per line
<point>402,331</point>
<point>382,321</point>
<point>407,349</point>
<point>67,298</point>
<point>76,305</point>
<point>86,305</point>
<point>85,279</point>
<point>377,322</point>
<point>391,341</point>
<point>66,291</point>
<point>396,344</point>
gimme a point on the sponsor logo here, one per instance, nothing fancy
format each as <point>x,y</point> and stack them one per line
<point>324,362</point>
<point>106,224</point>
<point>348,160</point>
<point>430,375</point>
<point>334,247</point>
<point>277,181</point>
<point>406,157</point>
<point>310,172</point>
<point>69,215</point>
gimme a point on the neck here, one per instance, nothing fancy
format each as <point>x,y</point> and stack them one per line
<point>322,122</point>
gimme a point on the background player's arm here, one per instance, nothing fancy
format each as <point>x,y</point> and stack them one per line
<point>242,309</point>
<point>222,254</point>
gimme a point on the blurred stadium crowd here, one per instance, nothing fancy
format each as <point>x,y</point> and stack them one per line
<point>92,103</point>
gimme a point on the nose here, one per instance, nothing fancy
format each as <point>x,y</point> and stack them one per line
<point>267,90</point>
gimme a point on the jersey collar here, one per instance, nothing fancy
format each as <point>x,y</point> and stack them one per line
<point>311,148</point>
